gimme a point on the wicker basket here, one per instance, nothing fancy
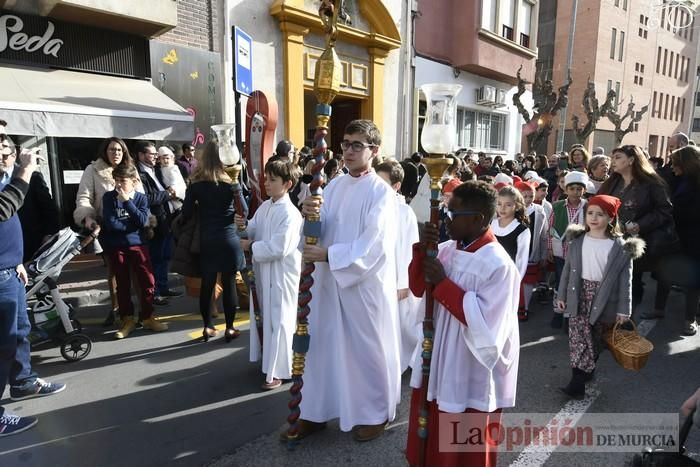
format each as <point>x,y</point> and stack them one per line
<point>630,349</point>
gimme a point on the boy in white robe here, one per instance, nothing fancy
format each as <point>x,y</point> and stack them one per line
<point>273,238</point>
<point>352,366</point>
<point>392,173</point>
<point>474,364</point>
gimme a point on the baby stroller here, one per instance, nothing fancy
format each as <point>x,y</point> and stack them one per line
<point>53,319</point>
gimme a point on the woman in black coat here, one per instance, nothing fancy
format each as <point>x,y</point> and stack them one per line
<point>646,211</point>
<point>684,268</point>
<point>213,192</point>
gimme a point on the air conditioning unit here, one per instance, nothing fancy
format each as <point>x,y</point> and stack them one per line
<point>486,95</point>
<point>500,98</point>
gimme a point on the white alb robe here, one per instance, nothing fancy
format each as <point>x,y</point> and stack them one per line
<point>275,231</point>
<point>409,320</point>
<point>352,367</point>
<point>475,366</point>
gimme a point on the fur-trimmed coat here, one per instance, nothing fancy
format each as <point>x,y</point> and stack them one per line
<point>614,295</point>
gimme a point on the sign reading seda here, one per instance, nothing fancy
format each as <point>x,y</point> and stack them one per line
<point>11,36</point>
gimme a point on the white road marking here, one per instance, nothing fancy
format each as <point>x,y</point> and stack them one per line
<point>44,443</point>
<point>542,340</point>
<point>537,455</point>
<point>645,326</point>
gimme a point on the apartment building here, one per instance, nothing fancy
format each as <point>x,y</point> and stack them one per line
<point>480,45</point>
<point>645,52</point>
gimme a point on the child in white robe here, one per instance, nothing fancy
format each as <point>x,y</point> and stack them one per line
<point>409,306</point>
<point>273,238</point>
<point>476,344</point>
<point>172,177</point>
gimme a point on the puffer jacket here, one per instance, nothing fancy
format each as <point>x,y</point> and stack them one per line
<point>614,295</point>
<point>95,182</point>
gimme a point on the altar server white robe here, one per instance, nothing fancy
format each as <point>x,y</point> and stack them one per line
<point>475,366</point>
<point>275,231</point>
<point>352,367</point>
<point>409,312</point>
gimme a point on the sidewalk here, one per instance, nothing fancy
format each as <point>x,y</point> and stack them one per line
<point>83,282</point>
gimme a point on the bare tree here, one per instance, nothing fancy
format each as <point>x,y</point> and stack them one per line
<point>593,112</point>
<point>547,104</point>
<point>618,121</point>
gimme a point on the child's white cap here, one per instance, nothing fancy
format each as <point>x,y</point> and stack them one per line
<point>590,188</point>
<point>503,179</point>
<point>579,178</point>
<point>529,175</point>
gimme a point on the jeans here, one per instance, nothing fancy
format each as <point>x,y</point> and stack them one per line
<point>161,249</point>
<point>15,365</point>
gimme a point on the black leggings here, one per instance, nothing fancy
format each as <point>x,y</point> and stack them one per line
<point>229,296</point>
<point>692,298</point>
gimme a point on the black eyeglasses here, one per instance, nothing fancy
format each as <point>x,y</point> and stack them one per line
<point>357,146</point>
<point>452,214</point>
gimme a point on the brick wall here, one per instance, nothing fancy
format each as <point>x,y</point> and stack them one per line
<point>197,25</point>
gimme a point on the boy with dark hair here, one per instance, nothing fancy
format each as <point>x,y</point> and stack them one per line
<point>571,210</point>
<point>474,364</point>
<point>125,216</point>
<point>273,238</point>
<point>392,173</point>
<point>355,342</point>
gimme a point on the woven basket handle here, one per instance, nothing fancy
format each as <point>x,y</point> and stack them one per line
<point>617,325</point>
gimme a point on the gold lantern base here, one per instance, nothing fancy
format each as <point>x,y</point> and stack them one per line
<point>436,164</point>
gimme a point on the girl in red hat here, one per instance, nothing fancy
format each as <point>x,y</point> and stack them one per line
<point>595,289</point>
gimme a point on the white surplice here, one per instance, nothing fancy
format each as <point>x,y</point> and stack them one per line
<point>275,231</point>
<point>475,366</point>
<point>352,367</point>
<point>409,319</point>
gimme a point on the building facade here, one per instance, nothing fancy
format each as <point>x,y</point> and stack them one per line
<point>645,52</point>
<point>74,72</point>
<point>287,40</point>
<point>480,45</point>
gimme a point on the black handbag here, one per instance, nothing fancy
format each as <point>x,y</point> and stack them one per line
<point>663,241</point>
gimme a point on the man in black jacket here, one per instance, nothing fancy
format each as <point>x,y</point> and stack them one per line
<point>160,246</point>
<point>39,214</point>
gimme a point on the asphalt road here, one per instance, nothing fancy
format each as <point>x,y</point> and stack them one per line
<point>170,399</point>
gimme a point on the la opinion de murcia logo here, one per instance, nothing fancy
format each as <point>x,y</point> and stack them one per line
<point>12,37</point>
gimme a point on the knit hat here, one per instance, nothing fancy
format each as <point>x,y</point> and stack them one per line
<point>450,186</point>
<point>530,174</point>
<point>609,204</point>
<point>578,178</point>
<point>526,186</point>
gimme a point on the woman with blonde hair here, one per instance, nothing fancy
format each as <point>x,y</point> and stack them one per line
<point>213,193</point>
<point>646,211</point>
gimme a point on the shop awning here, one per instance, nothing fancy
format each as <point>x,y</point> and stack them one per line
<point>72,104</point>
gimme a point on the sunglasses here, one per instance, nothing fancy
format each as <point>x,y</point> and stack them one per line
<point>451,215</point>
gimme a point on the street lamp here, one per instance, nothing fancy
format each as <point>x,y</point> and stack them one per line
<point>438,138</point>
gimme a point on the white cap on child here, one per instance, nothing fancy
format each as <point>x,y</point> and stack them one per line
<point>576,177</point>
<point>502,178</point>
<point>529,175</point>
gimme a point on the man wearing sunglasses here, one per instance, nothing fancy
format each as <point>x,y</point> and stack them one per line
<point>352,367</point>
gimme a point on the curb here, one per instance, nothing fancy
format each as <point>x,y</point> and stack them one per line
<point>100,296</point>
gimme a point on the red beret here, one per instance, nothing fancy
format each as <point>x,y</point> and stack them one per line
<point>609,204</point>
<point>525,186</point>
<point>450,186</point>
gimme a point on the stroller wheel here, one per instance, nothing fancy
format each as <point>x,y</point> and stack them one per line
<point>76,347</point>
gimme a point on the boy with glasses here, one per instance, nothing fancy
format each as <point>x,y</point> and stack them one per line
<point>352,367</point>
<point>476,343</point>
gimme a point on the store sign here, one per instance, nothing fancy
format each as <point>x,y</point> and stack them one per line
<point>11,36</point>
<point>49,42</point>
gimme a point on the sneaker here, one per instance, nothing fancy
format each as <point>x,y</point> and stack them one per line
<point>171,293</point>
<point>40,388</point>
<point>152,324</point>
<point>127,327</point>
<point>11,424</point>
<point>160,301</point>
<point>690,328</point>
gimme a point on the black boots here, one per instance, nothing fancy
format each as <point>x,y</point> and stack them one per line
<point>576,389</point>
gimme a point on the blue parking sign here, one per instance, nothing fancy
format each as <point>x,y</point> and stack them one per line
<point>243,59</point>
